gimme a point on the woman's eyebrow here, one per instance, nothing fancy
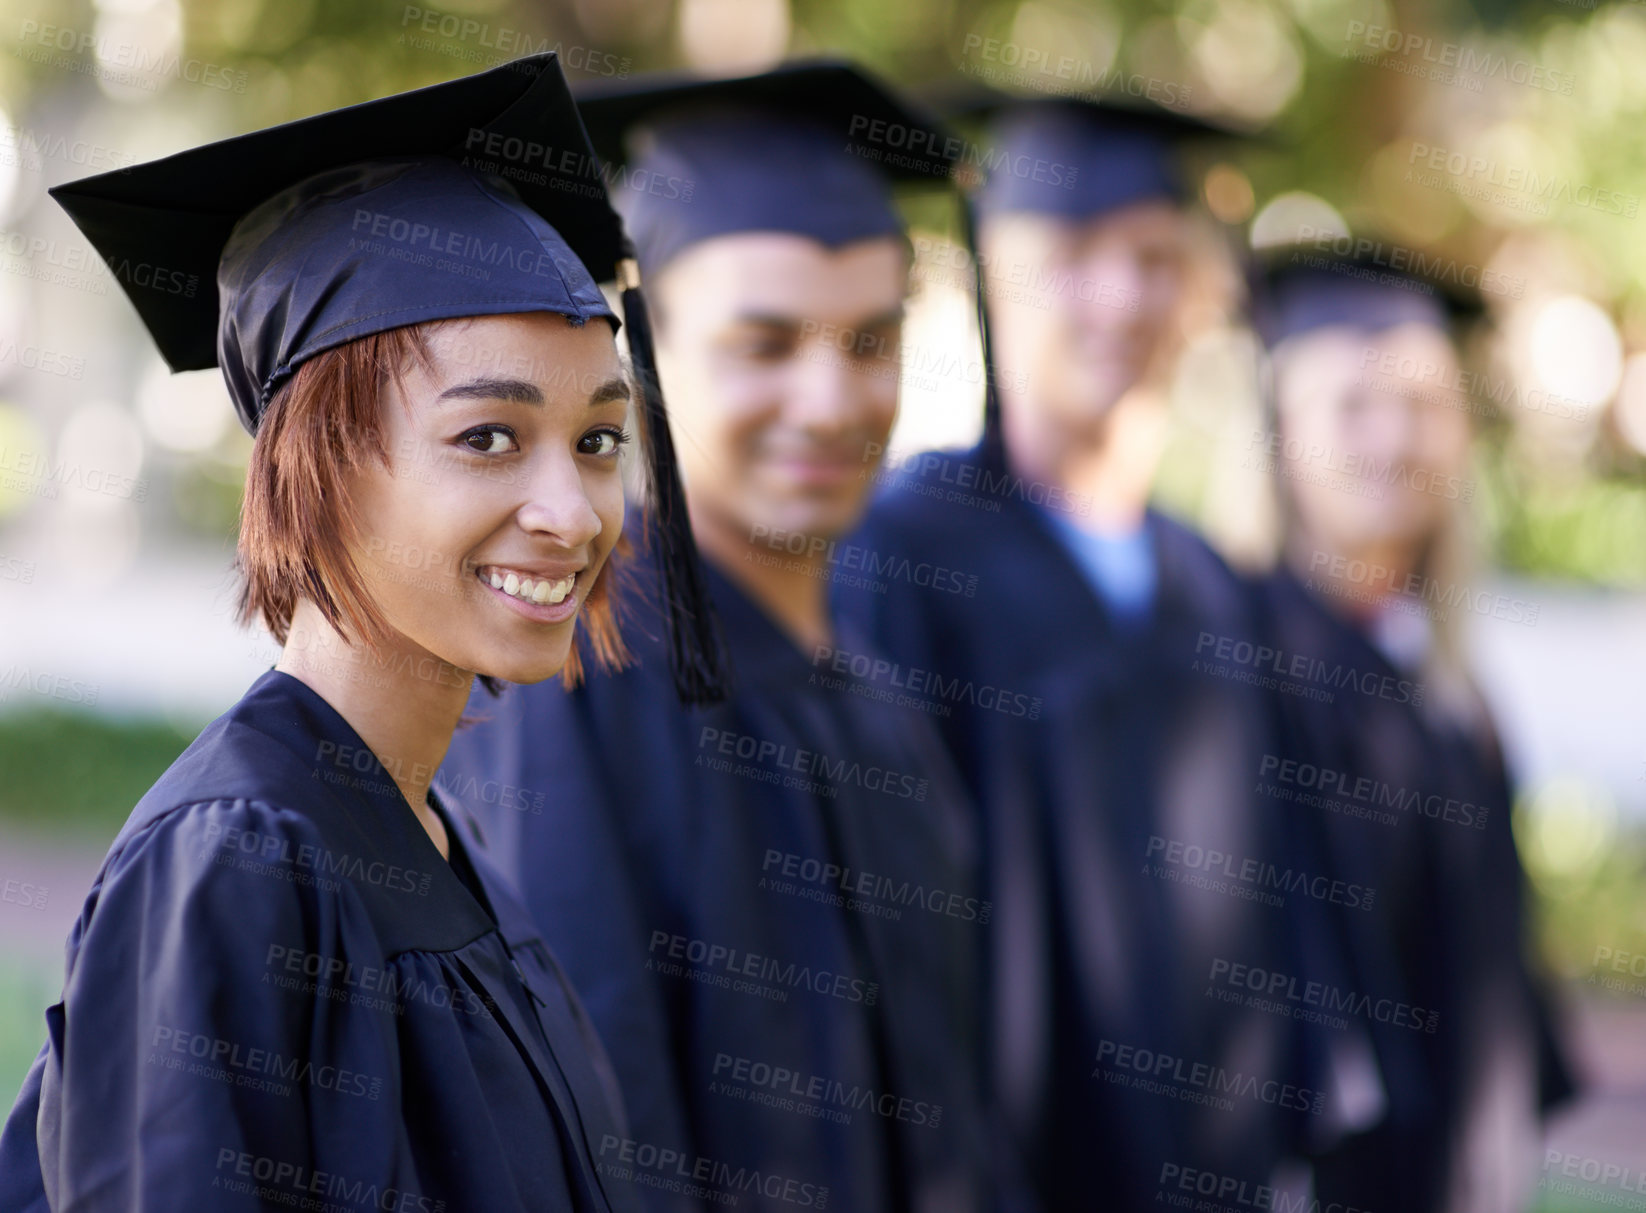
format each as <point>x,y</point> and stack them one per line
<point>615,388</point>
<point>521,391</point>
<point>517,390</point>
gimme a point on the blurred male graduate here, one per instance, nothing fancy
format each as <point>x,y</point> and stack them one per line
<point>768,906</point>
<point>1136,877</point>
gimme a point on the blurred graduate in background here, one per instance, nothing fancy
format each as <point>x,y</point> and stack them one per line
<point>1114,813</point>
<point>1370,447</point>
<point>768,905</point>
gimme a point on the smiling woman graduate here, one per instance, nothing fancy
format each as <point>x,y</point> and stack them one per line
<point>295,978</point>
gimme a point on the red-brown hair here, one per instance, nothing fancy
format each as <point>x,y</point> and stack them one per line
<point>297,522</point>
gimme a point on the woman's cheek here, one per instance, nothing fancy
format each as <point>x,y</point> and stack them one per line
<point>609,507</point>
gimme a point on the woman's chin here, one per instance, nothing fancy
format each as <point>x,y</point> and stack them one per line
<point>525,673</point>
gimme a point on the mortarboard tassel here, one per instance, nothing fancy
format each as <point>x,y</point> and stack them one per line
<point>993,450</point>
<point>697,654</point>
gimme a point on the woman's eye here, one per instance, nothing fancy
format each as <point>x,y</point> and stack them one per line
<point>490,440</point>
<point>602,442</point>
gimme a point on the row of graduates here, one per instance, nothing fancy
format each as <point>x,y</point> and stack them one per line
<point>993,881</point>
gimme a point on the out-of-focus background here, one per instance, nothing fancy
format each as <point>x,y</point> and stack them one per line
<point>1508,137</point>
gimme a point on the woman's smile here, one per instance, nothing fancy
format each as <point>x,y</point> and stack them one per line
<point>543,597</point>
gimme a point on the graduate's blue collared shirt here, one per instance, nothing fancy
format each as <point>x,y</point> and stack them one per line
<point>1119,566</point>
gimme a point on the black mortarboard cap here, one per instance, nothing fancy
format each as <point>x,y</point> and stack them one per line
<point>1355,282</point>
<point>1092,157</point>
<point>365,194</point>
<point>812,147</point>
<point>476,197</point>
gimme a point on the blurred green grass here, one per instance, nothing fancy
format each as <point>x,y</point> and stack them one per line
<point>76,777</point>
<point>27,987</point>
<point>74,773</point>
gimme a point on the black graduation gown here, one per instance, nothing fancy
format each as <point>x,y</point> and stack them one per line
<point>1448,938</point>
<point>279,992</point>
<point>765,906</point>
<point>1129,757</point>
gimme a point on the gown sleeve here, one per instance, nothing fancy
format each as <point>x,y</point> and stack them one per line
<point>184,1068</point>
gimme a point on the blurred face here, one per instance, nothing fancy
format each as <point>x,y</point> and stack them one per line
<point>780,362</point>
<point>1371,458</point>
<point>1085,311</point>
<point>502,500</point>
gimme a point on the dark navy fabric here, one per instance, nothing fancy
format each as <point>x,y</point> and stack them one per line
<point>1449,936</point>
<point>279,991</point>
<point>1109,954</point>
<point>766,906</point>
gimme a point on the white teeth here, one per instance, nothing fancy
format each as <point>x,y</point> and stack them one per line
<point>540,590</point>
